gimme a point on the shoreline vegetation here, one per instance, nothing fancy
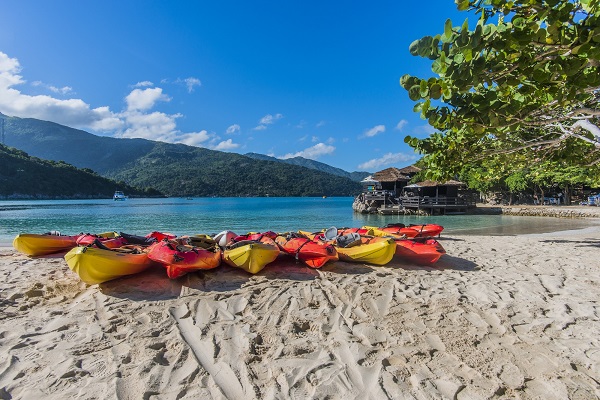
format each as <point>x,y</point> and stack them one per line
<point>504,317</point>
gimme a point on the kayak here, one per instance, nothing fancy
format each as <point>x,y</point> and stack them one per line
<point>109,239</point>
<point>427,230</point>
<point>251,255</point>
<point>419,251</point>
<point>312,253</point>
<point>180,256</point>
<point>422,230</point>
<point>368,249</point>
<point>42,244</point>
<point>393,231</point>
<point>96,265</point>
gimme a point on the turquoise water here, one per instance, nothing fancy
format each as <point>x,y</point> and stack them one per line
<point>241,215</point>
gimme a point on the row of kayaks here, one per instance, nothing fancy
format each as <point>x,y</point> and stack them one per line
<point>98,258</point>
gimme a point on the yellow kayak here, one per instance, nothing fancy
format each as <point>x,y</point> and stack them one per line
<point>250,255</point>
<point>95,265</point>
<point>39,245</point>
<point>376,251</point>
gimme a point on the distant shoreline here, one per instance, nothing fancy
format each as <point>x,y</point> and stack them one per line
<point>527,210</point>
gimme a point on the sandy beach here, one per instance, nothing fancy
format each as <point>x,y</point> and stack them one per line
<point>499,317</point>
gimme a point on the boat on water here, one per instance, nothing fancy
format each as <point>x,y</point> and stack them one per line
<point>119,196</point>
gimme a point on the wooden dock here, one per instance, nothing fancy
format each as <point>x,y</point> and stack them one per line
<point>440,205</point>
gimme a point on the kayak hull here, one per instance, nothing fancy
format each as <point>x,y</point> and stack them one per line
<point>40,245</point>
<point>313,254</point>
<point>375,251</point>
<point>179,260</point>
<point>112,240</point>
<point>422,252</point>
<point>95,265</point>
<point>252,257</point>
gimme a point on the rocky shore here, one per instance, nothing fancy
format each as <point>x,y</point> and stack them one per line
<point>540,211</point>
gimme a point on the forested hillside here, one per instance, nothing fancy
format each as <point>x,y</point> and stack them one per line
<point>183,171</point>
<point>23,176</point>
<point>312,164</point>
<point>174,169</point>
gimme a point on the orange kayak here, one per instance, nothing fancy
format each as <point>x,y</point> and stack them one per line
<point>179,257</point>
<point>419,251</point>
<point>313,253</point>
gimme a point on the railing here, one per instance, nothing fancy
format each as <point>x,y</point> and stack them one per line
<point>441,201</point>
<point>379,195</point>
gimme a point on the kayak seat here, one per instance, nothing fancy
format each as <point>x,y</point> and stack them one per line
<point>349,240</point>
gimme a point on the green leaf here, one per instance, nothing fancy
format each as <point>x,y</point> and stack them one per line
<point>447,31</point>
<point>462,5</point>
<point>435,91</point>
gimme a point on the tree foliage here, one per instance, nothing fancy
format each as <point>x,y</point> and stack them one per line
<point>23,176</point>
<point>525,81</point>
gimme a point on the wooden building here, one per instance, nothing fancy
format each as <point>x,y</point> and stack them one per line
<point>390,192</point>
<point>437,198</point>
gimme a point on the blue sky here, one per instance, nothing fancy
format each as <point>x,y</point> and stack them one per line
<point>315,79</point>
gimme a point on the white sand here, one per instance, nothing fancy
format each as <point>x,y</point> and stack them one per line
<point>501,317</point>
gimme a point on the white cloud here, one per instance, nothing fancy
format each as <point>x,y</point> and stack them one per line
<point>387,159</point>
<point>145,99</point>
<point>226,145</point>
<point>190,83</point>
<point>269,119</point>
<point>401,124</point>
<point>314,139</point>
<point>194,138</point>
<point>153,126</point>
<point>374,131</point>
<point>63,90</point>
<point>143,84</point>
<point>71,112</point>
<point>320,124</point>
<point>313,152</point>
<point>136,121</point>
<point>233,129</point>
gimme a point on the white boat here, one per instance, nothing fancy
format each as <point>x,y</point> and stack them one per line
<point>118,196</point>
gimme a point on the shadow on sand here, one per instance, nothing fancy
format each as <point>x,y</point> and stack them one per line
<point>154,285</point>
<point>576,243</point>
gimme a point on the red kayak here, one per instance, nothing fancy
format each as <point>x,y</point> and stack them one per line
<point>179,257</point>
<point>413,230</point>
<point>161,235</point>
<point>313,253</point>
<point>111,240</point>
<point>419,251</point>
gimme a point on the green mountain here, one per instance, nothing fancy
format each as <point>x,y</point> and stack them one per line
<point>312,164</point>
<point>173,169</point>
<point>23,176</point>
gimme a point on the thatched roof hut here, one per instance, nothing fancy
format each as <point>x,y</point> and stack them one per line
<point>390,175</point>
<point>435,189</point>
<point>396,175</point>
<point>433,183</point>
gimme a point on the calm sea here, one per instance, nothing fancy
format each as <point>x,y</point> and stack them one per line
<point>241,215</point>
